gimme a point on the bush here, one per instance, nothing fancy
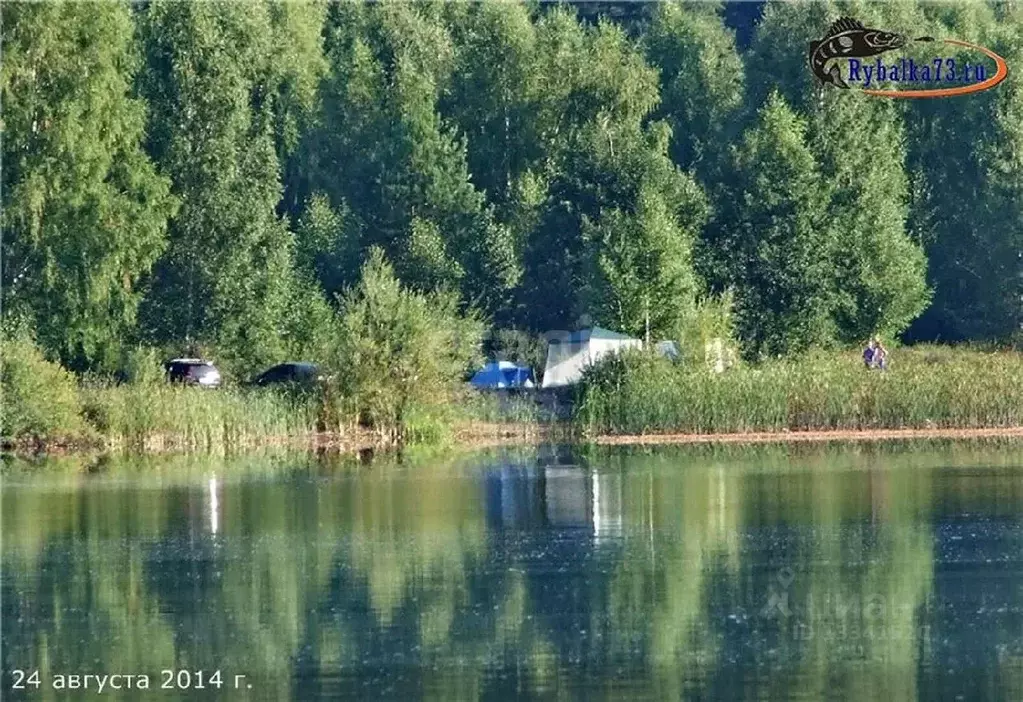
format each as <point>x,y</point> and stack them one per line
<point>143,366</point>
<point>707,334</point>
<point>39,398</point>
<point>400,351</point>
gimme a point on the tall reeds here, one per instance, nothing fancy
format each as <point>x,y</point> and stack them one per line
<point>924,387</point>
<point>151,415</point>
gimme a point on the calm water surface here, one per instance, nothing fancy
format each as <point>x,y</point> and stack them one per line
<point>813,573</point>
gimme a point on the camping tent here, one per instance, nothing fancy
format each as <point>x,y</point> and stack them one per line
<point>719,356</point>
<point>568,355</point>
<point>667,349</point>
<point>503,374</point>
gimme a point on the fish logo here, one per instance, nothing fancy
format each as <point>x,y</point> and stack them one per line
<point>848,38</point>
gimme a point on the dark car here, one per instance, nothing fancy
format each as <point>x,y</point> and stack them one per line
<point>192,371</point>
<point>291,373</point>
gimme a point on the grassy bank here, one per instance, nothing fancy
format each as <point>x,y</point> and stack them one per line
<point>45,407</point>
<point>161,418</point>
<point>925,387</point>
<point>62,414</point>
<point>158,417</point>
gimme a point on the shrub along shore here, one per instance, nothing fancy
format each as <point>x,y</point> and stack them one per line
<point>631,395</point>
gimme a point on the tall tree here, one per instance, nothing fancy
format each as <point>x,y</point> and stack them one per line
<point>327,244</point>
<point>84,210</point>
<point>492,97</point>
<point>228,278</point>
<point>702,82</point>
<point>880,271</point>
<point>964,156</point>
<point>1004,160</point>
<point>771,241</point>
<point>859,144</point>
<point>642,270</point>
<point>391,157</point>
<point>296,67</point>
<point>614,232</point>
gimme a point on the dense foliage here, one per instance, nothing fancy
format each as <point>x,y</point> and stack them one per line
<point>213,175</point>
<point>399,349</point>
<point>39,397</point>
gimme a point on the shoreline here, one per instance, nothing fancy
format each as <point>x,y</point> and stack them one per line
<point>492,435</point>
<point>812,435</point>
<point>768,437</point>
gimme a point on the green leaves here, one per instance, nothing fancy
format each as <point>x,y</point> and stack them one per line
<point>538,164</point>
<point>400,350</point>
<point>228,278</point>
<point>771,241</point>
<point>612,239</point>
<point>875,278</point>
<point>701,78</point>
<point>406,176</point>
<point>880,271</point>
<point>966,204</point>
<point>84,210</point>
<point>643,265</point>
<point>39,397</point>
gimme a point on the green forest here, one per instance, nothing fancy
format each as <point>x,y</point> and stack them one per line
<point>216,175</point>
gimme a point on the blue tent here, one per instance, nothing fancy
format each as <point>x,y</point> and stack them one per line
<point>503,374</point>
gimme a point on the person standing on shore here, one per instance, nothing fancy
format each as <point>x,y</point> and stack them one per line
<point>868,354</point>
<point>880,355</point>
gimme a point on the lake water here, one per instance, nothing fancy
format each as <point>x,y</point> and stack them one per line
<point>777,573</point>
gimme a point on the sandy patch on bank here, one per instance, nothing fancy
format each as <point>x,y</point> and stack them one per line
<point>802,436</point>
<point>484,435</point>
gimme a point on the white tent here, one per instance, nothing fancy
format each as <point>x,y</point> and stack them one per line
<point>568,355</point>
<point>719,356</point>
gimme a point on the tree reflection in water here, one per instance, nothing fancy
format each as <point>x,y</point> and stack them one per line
<point>775,574</point>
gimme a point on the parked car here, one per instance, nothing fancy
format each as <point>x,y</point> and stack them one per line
<point>192,371</point>
<point>290,373</point>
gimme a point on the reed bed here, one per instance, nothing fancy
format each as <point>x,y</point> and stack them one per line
<point>141,416</point>
<point>500,407</point>
<point>924,387</point>
<point>928,387</point>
